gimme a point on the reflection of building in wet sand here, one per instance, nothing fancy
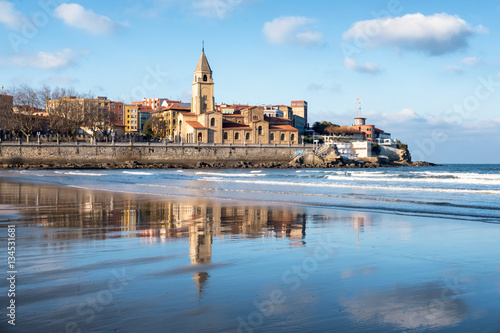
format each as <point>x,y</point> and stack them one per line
<point>200,243</point>
<point>98,215</point>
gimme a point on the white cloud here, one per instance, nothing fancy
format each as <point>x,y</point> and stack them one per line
<point>471,61</point>
<point>435,34</point>
<point>453,69</point>
<point>403,116</point>
<point>10,16</point>
<point>77,16</point>
<point>291,30</point>
<point>214,8</point>
<point>45,60</point>
<point>368,67</point>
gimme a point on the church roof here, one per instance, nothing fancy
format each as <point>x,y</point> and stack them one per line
<point>282,128</point>
<point>235,126</point>
<point>175,106</point>
<point>203,65</point>
<point>195,124</point>
<point>232,115</point>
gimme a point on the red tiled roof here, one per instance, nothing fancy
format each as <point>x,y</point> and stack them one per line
<point>175,106</point>
<point>379,130</point>
<point>282,128</point>
<point>187,114</point>
<point>251,107</point>
<point>195,124</point>
<point>233,115</point>
<point>235,126</point>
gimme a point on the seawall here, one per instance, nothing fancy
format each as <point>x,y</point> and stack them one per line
<point>115,155</point>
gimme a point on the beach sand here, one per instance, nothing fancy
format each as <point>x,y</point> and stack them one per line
<point>97,261</point>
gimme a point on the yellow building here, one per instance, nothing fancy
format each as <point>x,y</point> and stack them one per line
<point>169,117</point>
<point>80,103</point>
<point>130,117</point>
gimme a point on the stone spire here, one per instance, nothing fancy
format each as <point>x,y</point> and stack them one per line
<point>203,65</point>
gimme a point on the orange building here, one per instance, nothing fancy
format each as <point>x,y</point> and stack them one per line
<point>369,132</point>
<point>116,109</point>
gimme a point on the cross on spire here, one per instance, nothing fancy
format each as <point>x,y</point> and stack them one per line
<point>203,46</point>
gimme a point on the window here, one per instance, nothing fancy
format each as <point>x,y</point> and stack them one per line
<point>260,130</point>
<point>247,136</point>
<point>292,137</point>
<point>271,137</point>
<point>205,78</point>
<point>282,136</point>
<point>225,135</point>
<point>212,122</point>
<point>200,137</point>
<point>255,117</point>
<point>236,136</point>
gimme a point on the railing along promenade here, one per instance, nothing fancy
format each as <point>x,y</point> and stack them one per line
<point>155,144</point>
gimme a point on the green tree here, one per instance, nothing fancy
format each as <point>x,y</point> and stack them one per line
<point>148,128</point>
<point>324,127</point>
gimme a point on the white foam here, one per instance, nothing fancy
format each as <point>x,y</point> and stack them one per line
<point>364,187</point>
<point>230,174</point>
<point>470,181</point>
<point>138,173</point>
<point>74,173</point>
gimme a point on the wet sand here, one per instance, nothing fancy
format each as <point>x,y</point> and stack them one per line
<point>96,261</point>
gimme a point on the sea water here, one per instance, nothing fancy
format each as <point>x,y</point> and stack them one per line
<point>460,191</point>
<point>247,250</point>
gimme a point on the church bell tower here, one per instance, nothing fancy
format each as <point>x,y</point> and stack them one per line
<point>203,87</point>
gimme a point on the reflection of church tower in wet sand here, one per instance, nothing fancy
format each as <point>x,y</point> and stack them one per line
<point>200,243</point>
<point>200,251</point>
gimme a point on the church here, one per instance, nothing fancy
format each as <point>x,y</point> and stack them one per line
<point>203,124</point>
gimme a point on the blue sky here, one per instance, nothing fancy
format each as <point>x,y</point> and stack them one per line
<point>426,71</point>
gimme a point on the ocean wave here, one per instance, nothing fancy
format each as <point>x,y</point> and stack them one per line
<point>443,180</point>
<point>230,174</point>
<point>138,173</point>
<point>78,173</point>
<point>364,187</point>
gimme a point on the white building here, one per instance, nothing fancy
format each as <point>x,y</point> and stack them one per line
<point>272,111</point>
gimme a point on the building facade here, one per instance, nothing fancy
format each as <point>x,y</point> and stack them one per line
<point>131,117</point>
<point>299,109</point>
<point>204,124</point>
<point>370,132</point>
<point>116,109</point>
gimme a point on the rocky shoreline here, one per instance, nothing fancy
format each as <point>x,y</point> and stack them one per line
<point>201,165</point>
